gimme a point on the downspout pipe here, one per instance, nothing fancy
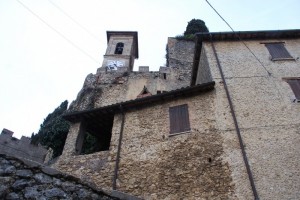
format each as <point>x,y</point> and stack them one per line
<point>249,172</point>
<point>119,149</point>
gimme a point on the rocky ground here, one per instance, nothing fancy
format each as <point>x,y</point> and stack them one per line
<point>24,179</point>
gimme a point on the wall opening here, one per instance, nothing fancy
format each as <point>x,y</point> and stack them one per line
<point>119,48</point>
<point>161,91</point>
<point>165,75</point>
<point>95,135</point>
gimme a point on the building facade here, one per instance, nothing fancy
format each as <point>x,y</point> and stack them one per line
<point>220,122</point>
<point>261,75</point>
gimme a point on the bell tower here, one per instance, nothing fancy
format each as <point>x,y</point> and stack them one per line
<point>122,50</point>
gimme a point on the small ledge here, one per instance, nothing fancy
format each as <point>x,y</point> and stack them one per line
<point>180,133</point>
<point>283,59</point>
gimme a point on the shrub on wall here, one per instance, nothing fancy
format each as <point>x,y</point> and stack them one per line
<point>195,26</point>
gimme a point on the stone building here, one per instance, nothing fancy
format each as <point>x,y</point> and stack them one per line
<point>220,122</point>
<point>21,148</point>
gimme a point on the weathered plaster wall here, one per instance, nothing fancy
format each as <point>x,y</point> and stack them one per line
<point>204,74</point>
<point>268,119</point>
<point>189,165</point>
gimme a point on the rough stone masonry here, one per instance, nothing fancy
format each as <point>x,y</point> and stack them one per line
<point>24,179</point>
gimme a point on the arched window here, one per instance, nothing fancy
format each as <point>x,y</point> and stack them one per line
<point>119,48</point>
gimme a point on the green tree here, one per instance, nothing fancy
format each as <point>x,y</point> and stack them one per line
<point>53,131</point>
<point>195,26</point>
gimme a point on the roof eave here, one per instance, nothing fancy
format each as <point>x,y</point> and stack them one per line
<point>140,102</point>
<point>249,35</point>
<point>234,36</point>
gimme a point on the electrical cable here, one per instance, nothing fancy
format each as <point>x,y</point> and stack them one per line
<point>75,21</point>
<point>240,38</point>
<point>60,34</point>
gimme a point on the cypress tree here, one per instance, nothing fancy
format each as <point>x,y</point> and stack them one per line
<point>53,131</point>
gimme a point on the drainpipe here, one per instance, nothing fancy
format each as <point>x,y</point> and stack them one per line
<point>250,176</point>
<point>119,149</point>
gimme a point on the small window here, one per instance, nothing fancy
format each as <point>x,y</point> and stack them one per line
<point>295,86</point>
<point>179,119</point>
<point>278,51</point>
<point>161,91</point>
<point>165,75</point>
<point>119,48</point>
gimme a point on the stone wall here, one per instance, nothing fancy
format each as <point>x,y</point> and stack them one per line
<point>24,179</point>
<point>157,165</point>
<point>106,88</point>
<point>206,162</point>
<point>21,148</point>
<point>181,53</point>
<point>267,117</point>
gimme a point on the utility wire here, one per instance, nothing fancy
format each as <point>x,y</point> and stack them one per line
<point>240,39</point>
<point>269,74</point>
<point>75,21</point>
<point>56,31</point>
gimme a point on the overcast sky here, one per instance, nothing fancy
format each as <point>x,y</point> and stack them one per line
<point>47,47</point>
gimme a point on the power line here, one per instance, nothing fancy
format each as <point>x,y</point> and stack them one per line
<point>240,39</point>
<point>75,21</point>
<point>56,31</point>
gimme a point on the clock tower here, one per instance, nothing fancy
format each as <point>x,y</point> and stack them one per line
<point>122,50</point>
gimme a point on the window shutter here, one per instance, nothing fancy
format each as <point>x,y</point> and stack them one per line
<point>295,85</point>
<point>174,126</point>
<point>179,119</point>
<point>184,118</point>
<point>278,51</point>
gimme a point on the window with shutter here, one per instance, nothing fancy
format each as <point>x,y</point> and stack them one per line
<point>295,86</point>
<point>278,51</point>
<point>179,119</point>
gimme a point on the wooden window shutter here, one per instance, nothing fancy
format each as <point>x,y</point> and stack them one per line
<point>179,119</point>
<point>295,85</point>
<point>174,126</point>
<point>278,51</point>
